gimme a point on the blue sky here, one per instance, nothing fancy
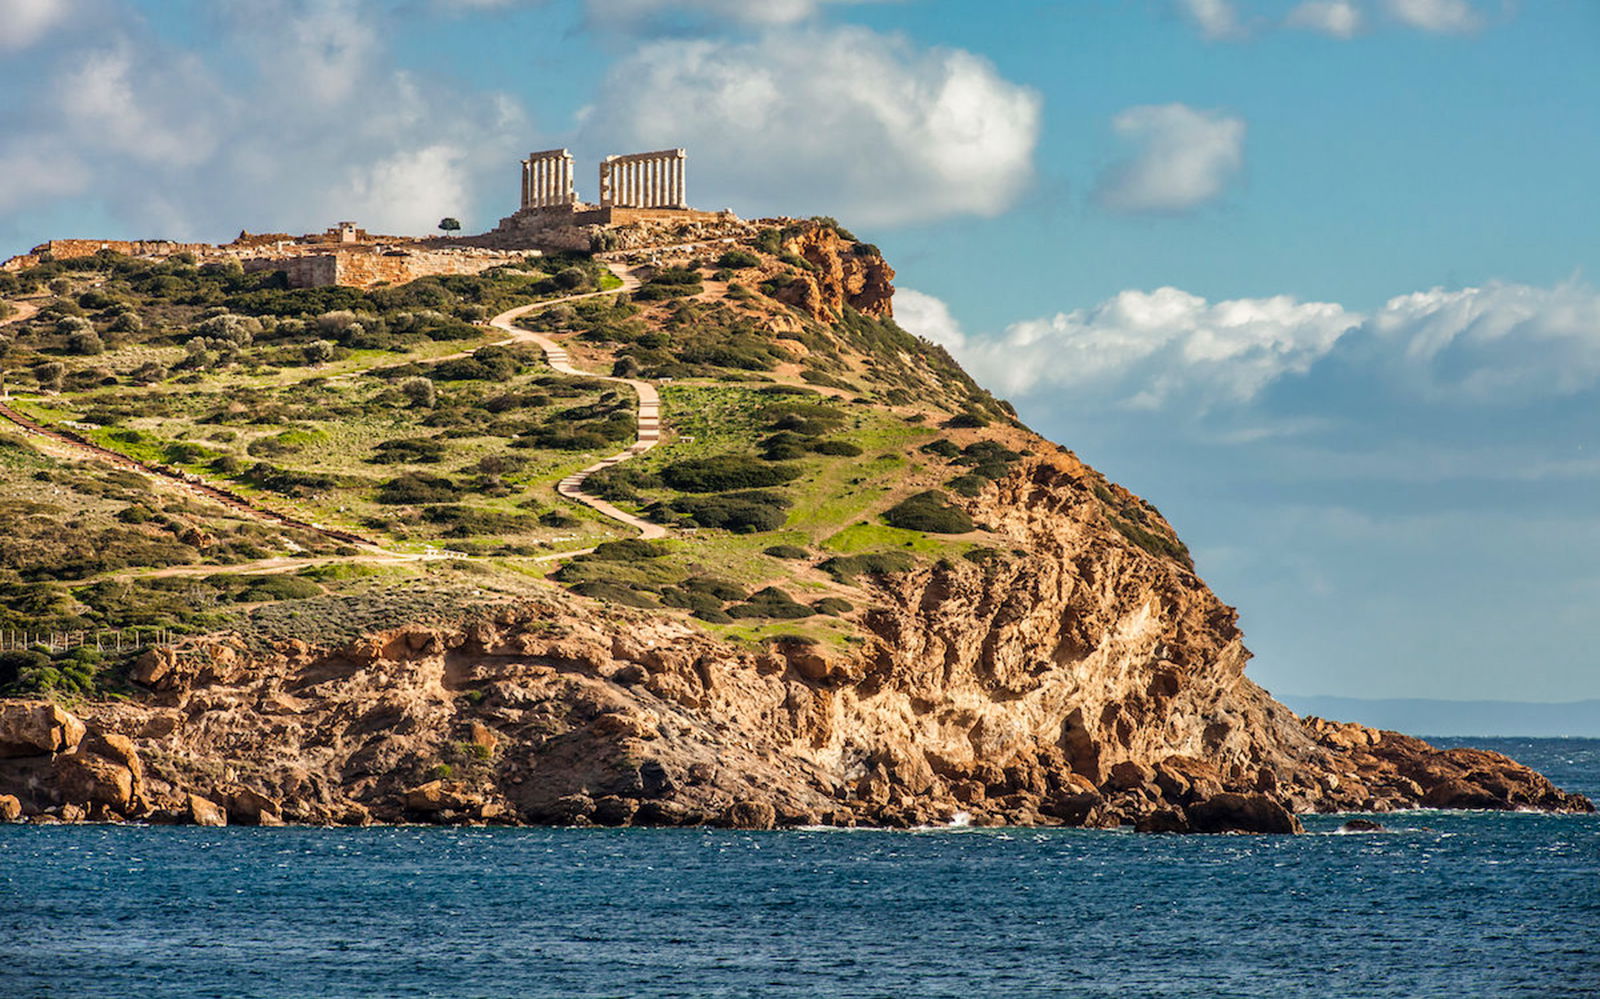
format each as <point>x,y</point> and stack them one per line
<point>1314,276</point>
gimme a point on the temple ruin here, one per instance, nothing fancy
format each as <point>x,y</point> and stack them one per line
<point>547,180</point>
<point>643,180</point>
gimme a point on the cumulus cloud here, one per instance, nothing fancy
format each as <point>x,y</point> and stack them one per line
<point>24,22</point>
<point>1335,18</point>
<point>1497,345</point>
<point>842,121</point>
<point>1185,157</point>
<point>1145,350</point>
<point>1217,19</point>
<point>1441,16</point>
<point>927,317</point>
<point>327,128</point>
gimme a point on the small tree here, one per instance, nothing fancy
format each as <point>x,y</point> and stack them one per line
<point>449,224</point>
<point>420,391</point>
<point>318,351</point>
<point>49,375</point>
<point>85,343</point>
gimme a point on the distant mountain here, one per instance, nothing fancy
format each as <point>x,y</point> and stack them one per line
<point>1435,717</point>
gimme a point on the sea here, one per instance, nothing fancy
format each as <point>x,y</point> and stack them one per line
<point>1441,904</point>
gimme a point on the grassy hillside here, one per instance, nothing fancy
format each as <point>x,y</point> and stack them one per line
<point>805,449</point>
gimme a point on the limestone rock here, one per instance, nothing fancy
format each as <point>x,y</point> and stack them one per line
<point>750,815</point>
<point>10,808</point>
<point>84,778</point>
<point>37,728</point>
<point>203,811</point>
<point>439,796</point>
<point>1245,813</point>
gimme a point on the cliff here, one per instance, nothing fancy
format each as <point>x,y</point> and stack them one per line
<point>896,606</point>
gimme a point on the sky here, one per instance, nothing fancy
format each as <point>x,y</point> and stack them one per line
<point>1316,277</point>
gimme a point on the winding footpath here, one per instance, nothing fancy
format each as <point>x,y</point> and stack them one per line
<point>649,418</point>
<point>649,434</point>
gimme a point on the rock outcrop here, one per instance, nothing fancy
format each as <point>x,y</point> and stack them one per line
<point>843,273</point>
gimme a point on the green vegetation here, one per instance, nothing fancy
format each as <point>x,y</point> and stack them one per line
<point>931,512</point>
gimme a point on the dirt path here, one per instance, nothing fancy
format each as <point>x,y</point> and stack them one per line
<point>649,412</point>
<point>67,442</point>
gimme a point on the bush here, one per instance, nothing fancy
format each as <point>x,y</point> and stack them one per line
<point>85,343</point>
<point>407,450</point>
<point>738,260</point>
<point>930,512</point>
<point>770,602</point>
<point>833,606</point>
<point>721,589</point>
<point>794,552</point>
<point>616,594</point>
<point>626,550</point>
<point>965,421</point>
<point>743,513</point>
<point>420,392</point>
<point>259,589</point>
<point>845,568</point>
<point>417,487</point>
<point>837,448</point>
<point>722,472</point>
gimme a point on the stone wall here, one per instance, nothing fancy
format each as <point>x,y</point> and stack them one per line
<point>366,267</point>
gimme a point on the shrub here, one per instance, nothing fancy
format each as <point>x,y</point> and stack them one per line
<point>846,567</point>
<point>722,472</point>
<point>738,260</point>
<point>770,602</point>
<point>968,484</point>
<point>794,552</point>
<point>838,448</point>
<point>85,343</point>
<point>50,375</point>
<point>615,593</point>
<point>405,450</point>
<point>420,392</point>
<point>965,421</point>
<point>626,550</point>
<point>944,447</point>
<point>833,606</point>
<point>283,587</point>
<point>930,512</point>
<point>742,513</point>
<point>722,589</point>
<point>417,487</point>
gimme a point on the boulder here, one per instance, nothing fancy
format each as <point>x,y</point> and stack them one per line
<point>204,812</point>
<point>10,808</point>
<point>250,808</point>
<point>87,778</point>
<point>612,810</point>
<point>37,728</point>
<point>1362,826</point>
<point>750,815</point>
<point>1244,813</point>
<point>1128,776</point>
<point>1073,809</point>
<point>1163,820</point>
<point>1458,793</point>
<point>440,796</point>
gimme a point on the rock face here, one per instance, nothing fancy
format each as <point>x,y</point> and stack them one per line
<point>1082,675</point>
<point>844,273</point>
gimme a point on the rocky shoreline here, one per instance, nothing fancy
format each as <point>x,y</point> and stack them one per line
<point>523,721</point>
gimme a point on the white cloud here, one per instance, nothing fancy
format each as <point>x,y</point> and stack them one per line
<point>1217,19</point>
<point>1498,345</point>
<point>1146,350</point>
<point>844,122</point>
<point>1501,343</point>
<point>1442,16</point>
<point>1336,18</point>
<point>927,317</point>
<point>1185,158</point>
<point>24,22</point>
<point>324,128</point>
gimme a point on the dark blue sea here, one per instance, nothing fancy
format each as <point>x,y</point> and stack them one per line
<point>1474,904</point>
